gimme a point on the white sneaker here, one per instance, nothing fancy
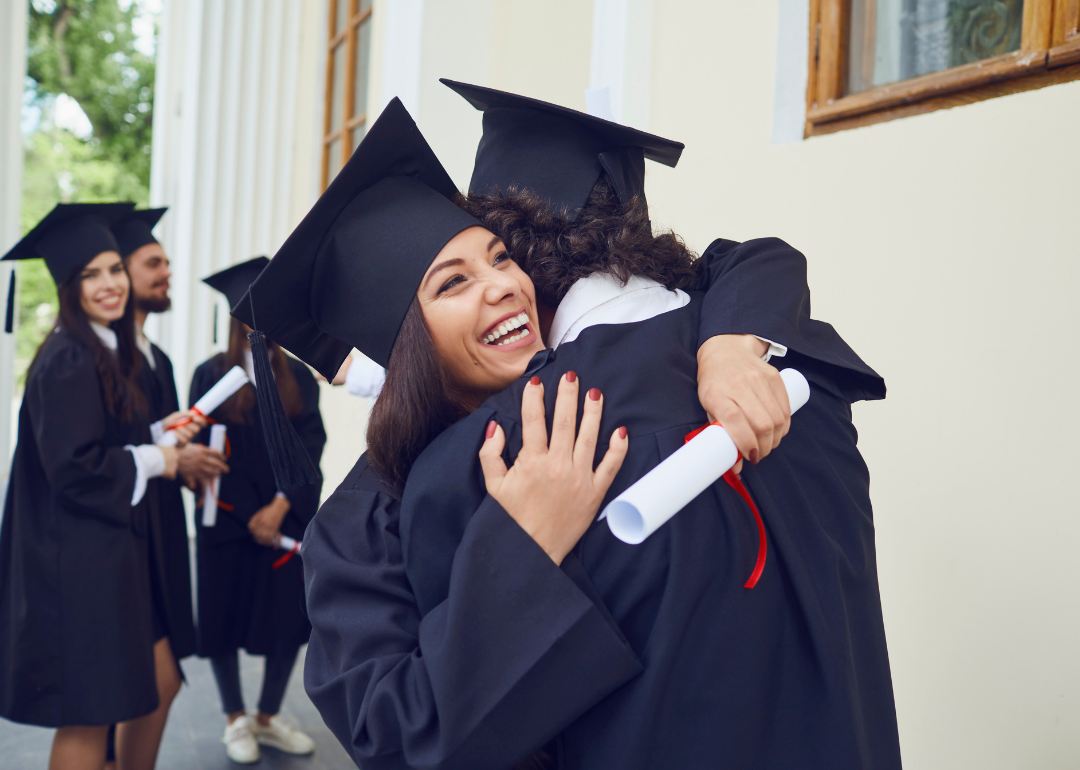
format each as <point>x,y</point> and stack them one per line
<point>282,736</point>
<point>240,745</point>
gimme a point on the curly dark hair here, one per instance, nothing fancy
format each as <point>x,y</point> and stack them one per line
<point>608,237</point>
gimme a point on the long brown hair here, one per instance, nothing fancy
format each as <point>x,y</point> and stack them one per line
<point>237,409</point>
<point>118,372</point>
<point>608,237</point>
<point>418,402</point>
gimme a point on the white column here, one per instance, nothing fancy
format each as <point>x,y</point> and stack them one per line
<point>404,27</point>
<point>622,57</point>
<point>13,19</point>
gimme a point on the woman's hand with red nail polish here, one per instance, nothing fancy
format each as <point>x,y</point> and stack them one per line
<point>551,490</point>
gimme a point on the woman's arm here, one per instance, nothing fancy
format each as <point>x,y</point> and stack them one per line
<point>514,653</point>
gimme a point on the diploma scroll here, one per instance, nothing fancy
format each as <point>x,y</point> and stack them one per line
<point>213,488</point>
<point>233,380</point>
<point>291,548</point>
<point>670,486</point>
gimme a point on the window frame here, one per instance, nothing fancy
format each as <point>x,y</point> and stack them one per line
<point>1049,54</point>
<point>350,120</point>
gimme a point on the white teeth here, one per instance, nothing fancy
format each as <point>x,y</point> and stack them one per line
<point>506,327</point>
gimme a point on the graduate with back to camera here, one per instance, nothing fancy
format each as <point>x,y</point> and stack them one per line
<point>247,600</point>
<point>786,669</point>
<point>470,682</point>
<point>84,615</point>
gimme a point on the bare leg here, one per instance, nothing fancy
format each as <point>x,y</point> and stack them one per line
<point>78,748</point>
<point>138,740</point>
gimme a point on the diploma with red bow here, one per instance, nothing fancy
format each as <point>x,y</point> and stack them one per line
<point>233,380</point>
<point>707,455</point>
<point>213,488</point>
<point>290,546</point>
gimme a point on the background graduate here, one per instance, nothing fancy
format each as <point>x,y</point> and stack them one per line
<point>793,673</point>
<point>244,602</point>
<point>84,621</point>
<point>386,684</point>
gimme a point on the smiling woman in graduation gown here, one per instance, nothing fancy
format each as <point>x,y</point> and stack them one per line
<point>518,646</point>
<point>80,623</point>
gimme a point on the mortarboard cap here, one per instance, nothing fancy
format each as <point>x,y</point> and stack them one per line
<point>135,230</point>
<point>68,238</point>
<point>558,153</point>
<point>348,273</point>
<point>234,281</point>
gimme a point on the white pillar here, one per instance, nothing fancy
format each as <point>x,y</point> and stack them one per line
<point>404,27</point>
<point>13,20</point>
<point>622,57</point>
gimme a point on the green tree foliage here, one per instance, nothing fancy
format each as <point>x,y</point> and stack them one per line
<point>87,50</point>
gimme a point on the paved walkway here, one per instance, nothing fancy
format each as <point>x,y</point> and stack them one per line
<point>193,736</point>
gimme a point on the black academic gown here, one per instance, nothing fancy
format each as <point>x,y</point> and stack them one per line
<point>793,673</point>
<point>390,685</point>
<point>171,561</point>
<point>76,645</point>
<point>243,601</point>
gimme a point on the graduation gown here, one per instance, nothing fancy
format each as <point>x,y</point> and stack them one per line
<point>242,600</point>
<point>75,599</point>
<point>171,561</point>
<point>793,673</point>
<point>388,678</point>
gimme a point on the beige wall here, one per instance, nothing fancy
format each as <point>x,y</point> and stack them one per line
<point>944,249</point>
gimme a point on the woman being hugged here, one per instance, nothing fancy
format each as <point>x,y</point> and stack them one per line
<point>247,598</point>
<point>83,642</point>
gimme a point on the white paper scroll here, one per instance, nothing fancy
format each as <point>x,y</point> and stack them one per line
<point>286,543</point>
<point>213,488</point>
<point>670,486</point>
<point>233,380</point>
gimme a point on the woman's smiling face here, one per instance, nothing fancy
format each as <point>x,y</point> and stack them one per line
<point>104,288</point>
<point>480,309</point>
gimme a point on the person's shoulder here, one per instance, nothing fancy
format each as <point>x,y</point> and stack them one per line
<point>161,356</point>
<point>62,353</point>
<point>212,366</point>
<point>360,502</point>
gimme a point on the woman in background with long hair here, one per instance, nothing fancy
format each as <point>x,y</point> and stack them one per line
<point>83,641</point>
<point>247,599</point>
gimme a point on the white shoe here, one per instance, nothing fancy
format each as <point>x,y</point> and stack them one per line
<point>282,736</point>
<point>240,745</point>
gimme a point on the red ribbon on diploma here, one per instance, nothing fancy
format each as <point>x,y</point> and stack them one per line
<point>736,483</point>
<point>187,420</point>
<point>291,552</point>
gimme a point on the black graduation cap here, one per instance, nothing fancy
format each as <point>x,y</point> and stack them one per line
<point>234,281</point>
<point>67,239</point>
<point>556,152</point>
<point>135,230</point>
<point>347,274</point>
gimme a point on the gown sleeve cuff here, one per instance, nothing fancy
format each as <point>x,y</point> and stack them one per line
<point>149,464</point>
<point>776,350</point>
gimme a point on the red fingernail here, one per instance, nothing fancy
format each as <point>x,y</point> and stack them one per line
<point>571,377</point>
<point>535,380</point>
<point>594,394</point>
<point>491,429</point>
<point>622,432</point>
<point>753,456</point>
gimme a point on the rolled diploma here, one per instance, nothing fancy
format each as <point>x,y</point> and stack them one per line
<point>213,489</point>
<point>233,380</point>
<point>670,486</point>
<point>288,544</point>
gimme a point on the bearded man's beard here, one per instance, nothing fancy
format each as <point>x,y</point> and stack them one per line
<point>153,304</point>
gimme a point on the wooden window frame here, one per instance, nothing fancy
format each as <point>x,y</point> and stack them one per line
<point>1049,54</point>
<point>349,121</point>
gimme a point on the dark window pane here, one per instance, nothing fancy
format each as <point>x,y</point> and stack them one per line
<point>360,81</point>
<point>333,163</point>
<point>337,88</point>
<point>342,15</point>
<point>894,40</point>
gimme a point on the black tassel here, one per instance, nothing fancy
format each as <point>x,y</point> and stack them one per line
<point>9,319</point>
<point>216,305</point>
<point>292,465</point>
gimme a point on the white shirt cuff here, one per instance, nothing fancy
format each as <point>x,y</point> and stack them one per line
<point>149,464</point>
<point>282,495</point>
<point>775,349</point>
<point>365,377</point>
<point>157,430</point>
